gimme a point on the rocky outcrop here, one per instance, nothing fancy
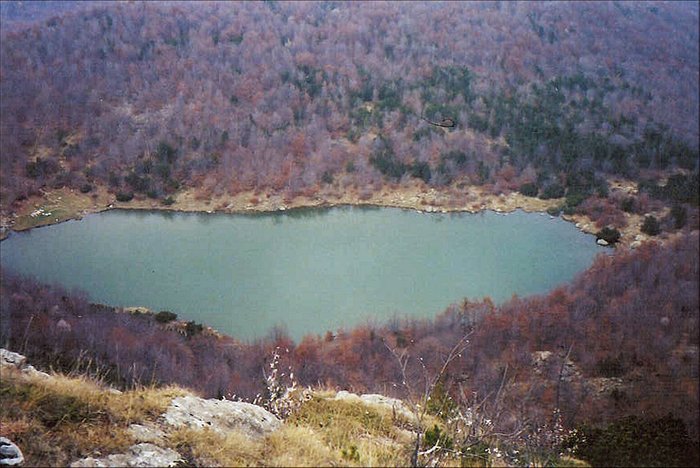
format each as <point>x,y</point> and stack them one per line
<point>220,416</point>
<point>8,358</point>
<point>10,454</point>
<point>16,360</point>
<point>138,455</point>
<point>146,433</point>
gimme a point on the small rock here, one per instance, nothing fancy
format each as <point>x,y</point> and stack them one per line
<point>602,242</point>
<point>139,455</point>
<point>10,454</point>
<point>63,326</point>
<point>635,244</point>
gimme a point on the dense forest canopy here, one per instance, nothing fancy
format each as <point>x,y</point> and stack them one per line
<point>151,97</point>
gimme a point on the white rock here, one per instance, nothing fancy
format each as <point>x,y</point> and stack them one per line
<point>220,416</point>
<point>602,242</point>
<point>32,371</point>
<point>8,358</point>
<point>139,455</point>
<point>10,454</point>
<point>146,433</point>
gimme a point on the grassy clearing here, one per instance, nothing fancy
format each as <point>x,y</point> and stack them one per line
<point>57,206</point>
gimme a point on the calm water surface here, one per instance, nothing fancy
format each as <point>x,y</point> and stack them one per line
<point>308,270</point>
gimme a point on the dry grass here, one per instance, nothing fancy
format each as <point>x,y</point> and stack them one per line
<point>208,448</point>
<point>322,433</point>
<point>61,419</point>
<point>355,432</point>
<point>299,446</point>
<point>63,204</point>
<point>58,420</point>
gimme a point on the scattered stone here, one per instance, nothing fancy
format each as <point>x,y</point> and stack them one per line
<point>220,416</point>
<point>10,454</point>
<point>635,244</point>
<point>138,455</point>
<point>602,242</point>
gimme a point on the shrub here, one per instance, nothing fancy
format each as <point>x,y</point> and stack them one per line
<point>85,188</point>
<point>552,191</point>
<point>125,196</point>
<point>554,210</point>
<point>574,198</point>
<point>529,189</point>
<point>609,235</point>
<point>679,215</point>
<point>192,328</point>
<point>435,436</point>
<point>651,226</point>
<point>421,170</point>
<point>635,441</point>
<point>327,177</point>
<point>165,316</point>
<point>627,205</point>
<point>168,201</point>
<point>610,367</point>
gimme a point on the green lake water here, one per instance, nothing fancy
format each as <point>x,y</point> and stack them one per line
<point>307,270</point>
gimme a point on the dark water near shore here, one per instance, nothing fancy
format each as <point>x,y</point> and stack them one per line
<point>307,270</point>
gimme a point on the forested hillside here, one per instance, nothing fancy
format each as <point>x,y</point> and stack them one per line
<point>148,98</point>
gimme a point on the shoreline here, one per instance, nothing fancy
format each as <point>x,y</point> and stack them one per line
<point>60,205</point>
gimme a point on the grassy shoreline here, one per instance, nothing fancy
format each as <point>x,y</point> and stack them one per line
<point>60,205</point>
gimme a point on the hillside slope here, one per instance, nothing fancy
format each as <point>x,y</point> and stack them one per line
<point>147,98</point>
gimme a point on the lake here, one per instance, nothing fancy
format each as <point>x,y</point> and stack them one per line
<point>308,270</point>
